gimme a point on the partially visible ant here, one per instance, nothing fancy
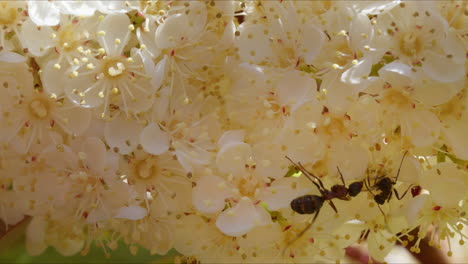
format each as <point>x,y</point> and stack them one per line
<point>386,185</point>
<point>310,204</point>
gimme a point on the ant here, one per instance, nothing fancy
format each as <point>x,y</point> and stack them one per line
<point>386,186</point>
<point>310,204</point>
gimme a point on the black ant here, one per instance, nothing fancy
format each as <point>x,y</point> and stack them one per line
<point>310,204</point>
<point>386,186</point>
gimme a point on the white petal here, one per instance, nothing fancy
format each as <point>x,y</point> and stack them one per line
<point>43,13</point>
<point>35,236</point>
<point>293,87</point>
<point>115,26</point>
<point>159,73</point>
<point>410,170</point>
<point>455,132</point>
<point>36,41</point>
<point>95,154</point>
<point>442,69</point>
<point>12,57</point>
<point>147,38</point>
<point>396,73</point>
<point>421,127</point>
<point>232,157</point>
<point>413,208</point>
<point>172,31</point>
<point>454,47</point>
<point>197,17</point>
<point>122,134</point>
<point>81,8</point>
<point>357,73</point>
<point>54,80</point>
<point>68,246</point>
<point>73,119</point>
<point>154,140</point>
<point>132,212</point>
<point>80,84</point>
<point>231,136</point>
<point>312,41</point>
<point>209,194</point>
<point>238,220</point>
<point>360,25</point>
<point>350,157</point>
<point>254,44</point>
<point>431,93</point>
<point>446,184</point>
<point>281,192</point>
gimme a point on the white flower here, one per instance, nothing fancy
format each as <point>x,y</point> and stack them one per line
<point>110,79</point>
<point>419,37</point>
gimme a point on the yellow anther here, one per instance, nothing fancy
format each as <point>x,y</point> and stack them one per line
<point>102,33</point>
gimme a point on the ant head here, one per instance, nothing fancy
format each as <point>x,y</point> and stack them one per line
<point>355,188</point>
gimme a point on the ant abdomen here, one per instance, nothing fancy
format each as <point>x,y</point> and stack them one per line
<point>355,188</point>
<point>381,197</point>
<point>307,204</point>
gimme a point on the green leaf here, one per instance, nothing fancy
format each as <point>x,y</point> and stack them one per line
<point>292,172</point>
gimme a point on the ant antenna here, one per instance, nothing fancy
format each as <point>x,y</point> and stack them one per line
<point>306,173</point>
<point>341,175</point>
<point>401,163</point>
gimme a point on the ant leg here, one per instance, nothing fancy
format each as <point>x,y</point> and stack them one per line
<point>403,195</point>
<point>341,176</point>
<point>390,195</point>
<point>368,188</point>
<point>363,235</point>
<point>384,216</point>
<point>401,163</point>
<point>302,232</point>
<point>333,206</point>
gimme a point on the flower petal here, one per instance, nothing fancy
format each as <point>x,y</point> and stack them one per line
<point>43,13</point>
<point>172,31</point>
<point>95,154</point>
<point>443,69</point>
<point>122,134</point>
<point>312,41</point>
<point>232,157</point>
<point>154,140</point>
<point>209,194</point>
<point>36,41</point>
<point>240,219</point>
<point>421,127</point>
<point>455,132</point>
<point>132,212</point>
<point>114,26</point>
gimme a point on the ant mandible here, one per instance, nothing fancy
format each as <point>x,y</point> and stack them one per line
<point>310,204</point>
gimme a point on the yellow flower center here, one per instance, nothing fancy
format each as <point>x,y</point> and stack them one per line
<point>147,168</point>
<point>114,69</point>
<point>39,108</point>
<point>8,14</point>
<point>410,44</point>
<point>67,38</point>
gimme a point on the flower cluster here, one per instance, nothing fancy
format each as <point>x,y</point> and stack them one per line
<point>166,124</point>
